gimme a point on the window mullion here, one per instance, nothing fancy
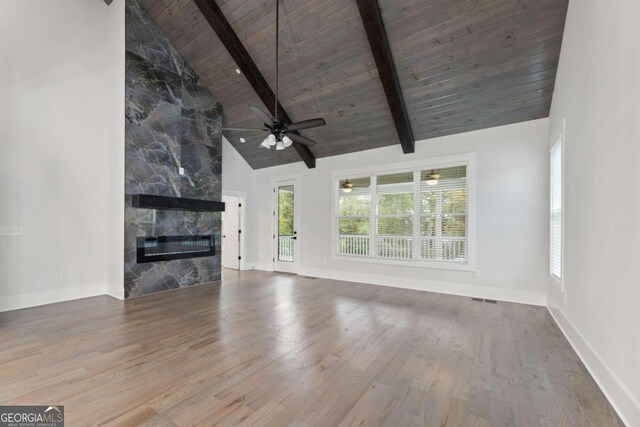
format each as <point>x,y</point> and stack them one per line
<point>438,231</point>
<point>373,197</point>
<point>336,215</point>
<point>416,215</point>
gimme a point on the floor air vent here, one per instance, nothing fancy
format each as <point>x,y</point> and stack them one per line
<point>491,301</point>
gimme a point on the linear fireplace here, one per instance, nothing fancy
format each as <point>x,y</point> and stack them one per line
<point>164,248</point>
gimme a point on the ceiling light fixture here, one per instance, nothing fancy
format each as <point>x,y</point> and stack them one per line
<point>242,140</point>
<point>280,145</point>
<point>238,71</point>
<point>432,178</point>
<point>346,186</point>
<point>286,141</point>
<point>265,144</point>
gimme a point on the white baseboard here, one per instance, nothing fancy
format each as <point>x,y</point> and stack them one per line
<point>244,266</point>
<point>116,291</point>
<point>451,288</point>
<point>34,299</point>
<point>627,407</point>
<point>263,266</point>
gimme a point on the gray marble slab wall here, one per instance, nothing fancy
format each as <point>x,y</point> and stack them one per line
<point>171,121</point>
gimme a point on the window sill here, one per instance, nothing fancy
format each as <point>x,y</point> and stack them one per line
<point>438,265</point>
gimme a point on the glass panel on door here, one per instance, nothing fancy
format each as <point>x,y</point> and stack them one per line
<point>286,232</point>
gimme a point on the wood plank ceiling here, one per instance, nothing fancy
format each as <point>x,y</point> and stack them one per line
<point>462,65</point>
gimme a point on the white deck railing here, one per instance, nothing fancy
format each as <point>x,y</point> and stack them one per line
<point>401,247</point>
<point>285,248</point>
<point>394,247</point>
<point>353,245</point>
<point>443,248</point>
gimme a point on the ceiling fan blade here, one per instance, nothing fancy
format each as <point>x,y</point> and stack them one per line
<point>246,129</point>
<point>301,139</point>
<point>261,114</point>
<point>306,124</point>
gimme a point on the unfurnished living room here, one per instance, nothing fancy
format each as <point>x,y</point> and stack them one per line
<point>319,213</point>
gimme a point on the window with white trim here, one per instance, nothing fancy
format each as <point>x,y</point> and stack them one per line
<point>416,215</point>
<point>443,215</point>
<point>556,211</point>
<point>394,216</point>
<point>354,216</point>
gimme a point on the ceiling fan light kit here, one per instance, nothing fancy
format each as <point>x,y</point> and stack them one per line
<point>281,134</point>
<point>346,186</point>
<point>432,178</point>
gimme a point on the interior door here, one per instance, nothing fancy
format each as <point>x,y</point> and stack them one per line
<point>230,233</point>
<point>285,236</point>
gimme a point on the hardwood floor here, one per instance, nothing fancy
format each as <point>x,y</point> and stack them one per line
<point>276,349</point>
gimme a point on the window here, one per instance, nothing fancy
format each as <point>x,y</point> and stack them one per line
<point>443,214</point>
<point>354,213</point>
<point>394,216</point>
<point>556,211</point>
<point>418,215</point>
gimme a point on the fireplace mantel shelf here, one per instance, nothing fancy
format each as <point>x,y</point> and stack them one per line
<point>148,201</point>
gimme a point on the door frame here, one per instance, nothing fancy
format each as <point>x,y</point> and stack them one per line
<point>241,226</point>
<point>293,267</point>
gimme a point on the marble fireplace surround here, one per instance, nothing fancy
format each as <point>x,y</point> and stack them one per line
<point>171,122</point>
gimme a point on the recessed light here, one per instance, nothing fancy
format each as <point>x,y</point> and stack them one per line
<point>238,71</point>
<point>242,140</point>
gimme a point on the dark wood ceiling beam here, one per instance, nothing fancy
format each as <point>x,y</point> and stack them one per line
<point>243,60</point>
<point>377,36</point>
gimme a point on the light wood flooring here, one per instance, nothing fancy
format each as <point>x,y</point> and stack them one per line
<point>276,349</point>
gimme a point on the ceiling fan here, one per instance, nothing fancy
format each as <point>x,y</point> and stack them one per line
<point>281,134</point>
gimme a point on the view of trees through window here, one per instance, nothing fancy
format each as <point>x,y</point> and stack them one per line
<point>354,217</point>
<point>285,211</point>
<point>285,223</point>
<point>355,208</point>
<point>395,205</point>
<point>439,207</point>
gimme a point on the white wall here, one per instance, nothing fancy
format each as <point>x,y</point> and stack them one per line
<point>598,92</point>
<point>238,179</point>
<point>511,223</point>
<point>61,149</point>
<point>115,47</point>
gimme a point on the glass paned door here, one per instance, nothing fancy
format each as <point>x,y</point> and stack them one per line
<point>285,227</point>
<point>286,233</point>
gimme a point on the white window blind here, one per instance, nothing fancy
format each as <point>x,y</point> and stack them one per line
<point>556,211</point>
<point>415,215</point>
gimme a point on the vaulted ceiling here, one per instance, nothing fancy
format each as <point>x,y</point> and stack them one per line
<point>461,64</point>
